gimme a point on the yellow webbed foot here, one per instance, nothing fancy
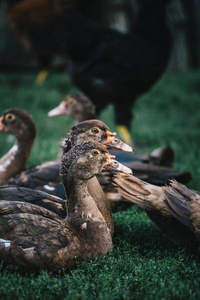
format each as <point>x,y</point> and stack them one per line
<point>125,135</point>
<point>42,76</point>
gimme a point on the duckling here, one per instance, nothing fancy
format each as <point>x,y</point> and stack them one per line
<point>34,238</point>
<point>168,207</point>
<point>20,124</point>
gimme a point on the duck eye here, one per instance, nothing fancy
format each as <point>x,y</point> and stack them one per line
<point>10,117</point>
<point>95,152</point>
<point>95,130</point>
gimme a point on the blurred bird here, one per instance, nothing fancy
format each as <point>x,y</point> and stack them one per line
<point>77,106</point>
<point>107,65</point>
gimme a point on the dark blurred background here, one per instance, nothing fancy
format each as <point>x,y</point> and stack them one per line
<point>183,19</point>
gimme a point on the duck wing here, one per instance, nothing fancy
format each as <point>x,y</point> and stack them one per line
<point>40,198</point>
<point>151,198</point>
<point>30,236</point>
<point>184,205</point>
<point>43,177</point>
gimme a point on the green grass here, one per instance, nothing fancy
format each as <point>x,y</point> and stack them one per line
<point>143,263</point>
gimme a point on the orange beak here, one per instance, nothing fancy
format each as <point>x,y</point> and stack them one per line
<point>108,160</point>
<point>59,110</point>
<point>114,143</point>
<point>112,165</point>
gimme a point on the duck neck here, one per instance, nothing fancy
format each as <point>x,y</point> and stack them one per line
<point>15,160</point>
<point>85,218</point>
<point>80,206</point>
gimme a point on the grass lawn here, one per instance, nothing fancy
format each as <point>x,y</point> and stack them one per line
<point>143,263</point>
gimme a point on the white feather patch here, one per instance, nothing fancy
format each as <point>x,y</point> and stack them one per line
<point>49,188</point>
<point>12,151</point>
<point>5,242</point>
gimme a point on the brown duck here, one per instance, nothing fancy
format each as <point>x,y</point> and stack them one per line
<point>32,237</point>
<point>173,209</point>
<point>20,124</point>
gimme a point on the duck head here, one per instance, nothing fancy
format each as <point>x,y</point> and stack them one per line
<point>19,123</point>
<point>97,131</point>
<point>77,106</point>
<point>89,159</point>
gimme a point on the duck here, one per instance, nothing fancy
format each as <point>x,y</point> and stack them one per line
<point>20,124</point>
<point>155,168</point>
<point>170,207</point>
<point>35,238</point>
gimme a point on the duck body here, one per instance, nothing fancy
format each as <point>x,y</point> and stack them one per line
<point>33,237</point>
<point>21,125</point>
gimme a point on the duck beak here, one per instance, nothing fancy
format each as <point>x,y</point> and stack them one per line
<point>2,127</point>
<point>59,110</point>
<point>112,165</point>
<point>114,143</point>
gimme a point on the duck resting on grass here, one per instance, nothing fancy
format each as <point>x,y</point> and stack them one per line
<point>175,209</point>
<point>19,123</point>
<point>34,238</point>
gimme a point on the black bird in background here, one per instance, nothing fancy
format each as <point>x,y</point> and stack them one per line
<point>113,67</point>
<point>107,65</point>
